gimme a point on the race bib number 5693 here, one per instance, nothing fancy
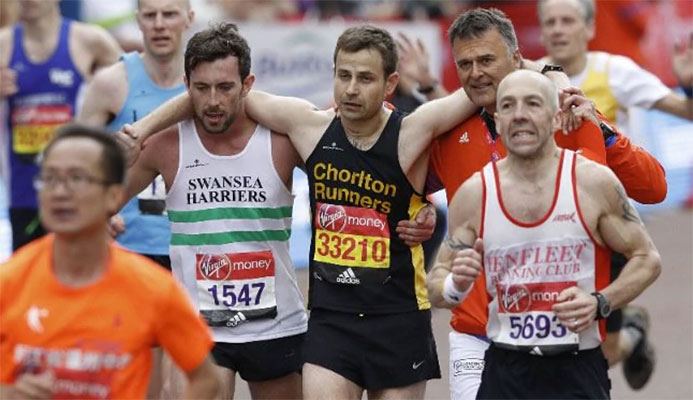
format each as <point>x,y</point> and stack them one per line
<point>526,315</point>
<point>351,236</point>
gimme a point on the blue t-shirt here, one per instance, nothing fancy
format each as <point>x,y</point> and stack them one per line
<point>147,229</point>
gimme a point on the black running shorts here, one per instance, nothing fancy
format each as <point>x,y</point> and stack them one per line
<point>377,351</point>
<point>615,320</point>
<point>263,360</point>
<point>510,374</point>
<point>163,260</point>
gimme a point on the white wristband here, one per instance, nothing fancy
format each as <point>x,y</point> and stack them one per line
<point>450,292</point>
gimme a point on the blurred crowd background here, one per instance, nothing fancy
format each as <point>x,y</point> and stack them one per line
<point>292,43</point>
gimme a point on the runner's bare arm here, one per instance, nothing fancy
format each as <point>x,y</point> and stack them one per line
<point>676,104</point>
<point>8,77</point>
<point>436,117</point>
<point>103,46</point>
<point>429,121</point>
<point>144,170</point>
<point>622,231</point>
<point>280,113</point>
<point>30,386</point>
<point>419,229</point>
<point>203,381</point>
<point>299,119</point>
<point>459,255</point>
<point>98,109</point>
<point>168,114</point>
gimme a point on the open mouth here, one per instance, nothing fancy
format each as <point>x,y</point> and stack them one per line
<point>161,40</point>
<point>214,117</point>
<point>522,134</point>
<point>481,86</point>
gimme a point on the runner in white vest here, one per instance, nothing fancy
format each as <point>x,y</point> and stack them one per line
<point>231,221</point>
<point>229,203</point>
<point>547,218</point>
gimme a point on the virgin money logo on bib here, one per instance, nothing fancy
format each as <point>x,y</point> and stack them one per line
<point>235,266</point>
<point>514,298</point>
<point>331,217</point>
<point>213,267</point>
<point>539,296</point>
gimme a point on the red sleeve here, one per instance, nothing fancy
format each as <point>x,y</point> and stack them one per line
<point>181,331</point>
<point>590,142</point>
<point>639,172</point>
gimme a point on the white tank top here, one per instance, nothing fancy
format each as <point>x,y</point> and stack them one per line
<point>528,264</point>
<point>230,226</point>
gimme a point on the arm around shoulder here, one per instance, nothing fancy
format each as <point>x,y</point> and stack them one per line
<point>439,116</point>
<point>280,113</point>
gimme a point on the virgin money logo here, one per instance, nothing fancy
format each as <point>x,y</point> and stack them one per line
<point>514,298</point>
<point>332,218</point>
<point>214,267</point>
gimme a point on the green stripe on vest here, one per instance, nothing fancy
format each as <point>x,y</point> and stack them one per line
<point>203,239</point>
<point>229,213</point>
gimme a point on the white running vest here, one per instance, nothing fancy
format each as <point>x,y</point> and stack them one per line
<point>230,226</point>
<point>528,264</point>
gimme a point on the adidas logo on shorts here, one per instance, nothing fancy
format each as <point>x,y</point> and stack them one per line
<point>348,277</point>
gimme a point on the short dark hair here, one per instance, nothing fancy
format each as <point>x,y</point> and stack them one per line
<point>369,37</point>
<point>216,43</point>
<point>113,162</point>
<point>474,23</point>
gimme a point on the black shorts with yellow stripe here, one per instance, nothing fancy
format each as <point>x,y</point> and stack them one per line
<point>376,351</point>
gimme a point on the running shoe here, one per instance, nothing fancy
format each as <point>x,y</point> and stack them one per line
<point>638,367</point>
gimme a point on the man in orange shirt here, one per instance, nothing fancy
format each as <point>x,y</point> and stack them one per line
<point>485,49</point>
<point>78,315</point>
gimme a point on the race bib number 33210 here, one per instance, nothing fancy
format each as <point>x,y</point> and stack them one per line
<point>351,236</point>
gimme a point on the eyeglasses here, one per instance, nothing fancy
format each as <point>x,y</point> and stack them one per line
<point>75,182</point>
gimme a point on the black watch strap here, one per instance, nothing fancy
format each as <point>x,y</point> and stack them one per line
<point>607,131</point>
<point>550,67</point>
<point>603,306</point>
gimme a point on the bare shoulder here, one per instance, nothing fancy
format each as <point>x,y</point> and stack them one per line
<point>93,47</point>
<point>161,145</point>
<point>90,34</point>
<point>599,186</point>
<point>112,79</point>
<point>320,119</point>
<point>6,35</point>
<point>466,204</point>
<point>593,176</point>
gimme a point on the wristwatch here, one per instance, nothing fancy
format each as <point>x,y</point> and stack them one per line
<point>603,306</point>
<point>550,67</point>
<point>607,131</point>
